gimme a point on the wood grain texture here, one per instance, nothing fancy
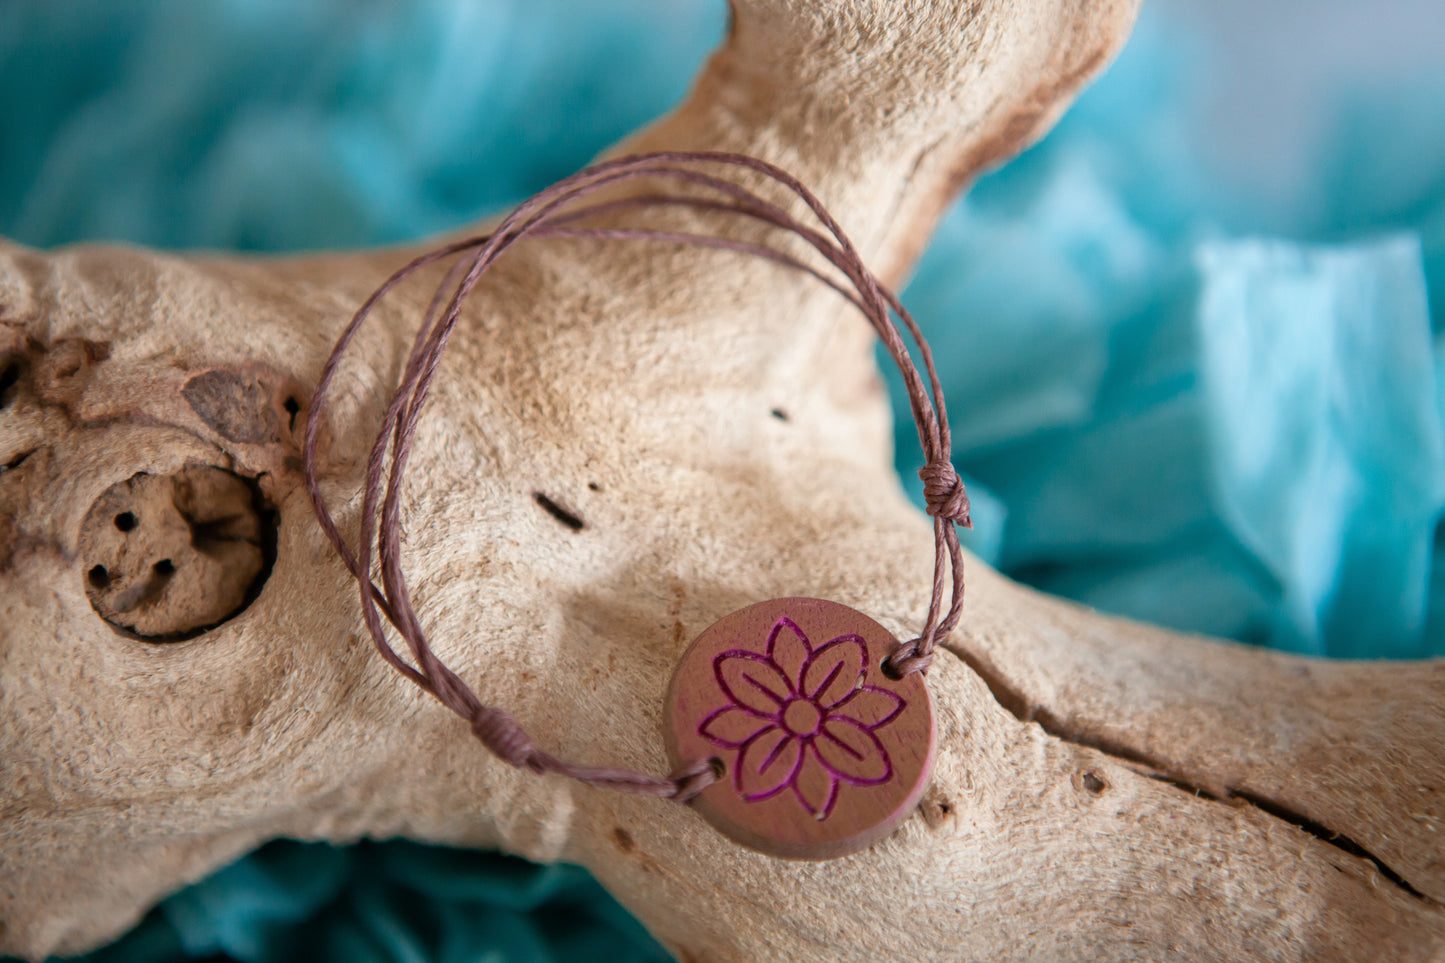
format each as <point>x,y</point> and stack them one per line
<point>1101,789</point>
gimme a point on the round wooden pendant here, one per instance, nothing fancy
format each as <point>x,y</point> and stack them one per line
<point>824,753</point>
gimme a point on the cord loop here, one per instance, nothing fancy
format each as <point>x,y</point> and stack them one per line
<point>550,214</point>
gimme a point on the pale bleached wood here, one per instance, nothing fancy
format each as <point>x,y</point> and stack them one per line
<point>1086,802</point>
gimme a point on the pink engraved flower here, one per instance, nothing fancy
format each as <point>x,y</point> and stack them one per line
<point>801,718</point>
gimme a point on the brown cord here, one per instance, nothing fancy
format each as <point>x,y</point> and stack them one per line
<point>543,215</point>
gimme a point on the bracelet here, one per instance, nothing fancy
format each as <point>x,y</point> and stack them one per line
<point>798,727</point>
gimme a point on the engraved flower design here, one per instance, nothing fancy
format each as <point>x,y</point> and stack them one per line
<point>801,718</point>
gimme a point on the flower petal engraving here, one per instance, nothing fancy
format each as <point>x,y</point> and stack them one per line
<point>852,752</point>
<point>731,726</point>
<point>869,706</point>
<point>752,681</point>
<point>815,785</point>
<point>789,649</point>
<point>834,670</point>
<point>767,764</point>
<point>765,675</point>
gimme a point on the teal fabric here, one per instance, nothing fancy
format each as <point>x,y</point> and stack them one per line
<point>391,902</point>
<point>1174,399</point>
<point>288,124</point>
<point>1184,405</point>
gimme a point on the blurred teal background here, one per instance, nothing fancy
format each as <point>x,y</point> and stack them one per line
<point>1192,341</point>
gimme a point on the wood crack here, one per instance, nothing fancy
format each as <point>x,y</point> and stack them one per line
<point>1016,704</point>
<point>570,519</point>
<point>1323,833</point>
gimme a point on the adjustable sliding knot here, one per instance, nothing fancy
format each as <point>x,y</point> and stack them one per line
<point>500,733</point>
<point>943,493</point>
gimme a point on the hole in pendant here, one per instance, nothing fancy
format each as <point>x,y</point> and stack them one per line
<point>890,670</point>
<point>718,767</point>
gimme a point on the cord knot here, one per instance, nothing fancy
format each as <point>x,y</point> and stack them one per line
<point>500,733</point>
<point>943,493</point>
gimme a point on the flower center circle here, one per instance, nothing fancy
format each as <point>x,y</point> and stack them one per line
<point>801,717</point>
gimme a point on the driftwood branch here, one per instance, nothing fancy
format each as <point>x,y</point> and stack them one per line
<point>183,673</point>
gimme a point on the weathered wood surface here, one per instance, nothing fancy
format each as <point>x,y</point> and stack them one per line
<point>1102,789</point>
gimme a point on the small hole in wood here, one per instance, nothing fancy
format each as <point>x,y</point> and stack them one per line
<point>293,408</point>
<point>165,593</point>
<point>1093,783</point>
<point>780,414</point>
<point>98,577</point>
<point>593,486</point>
<point>558,512</point>
<point>9,377</point>
<point>937,809</point>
